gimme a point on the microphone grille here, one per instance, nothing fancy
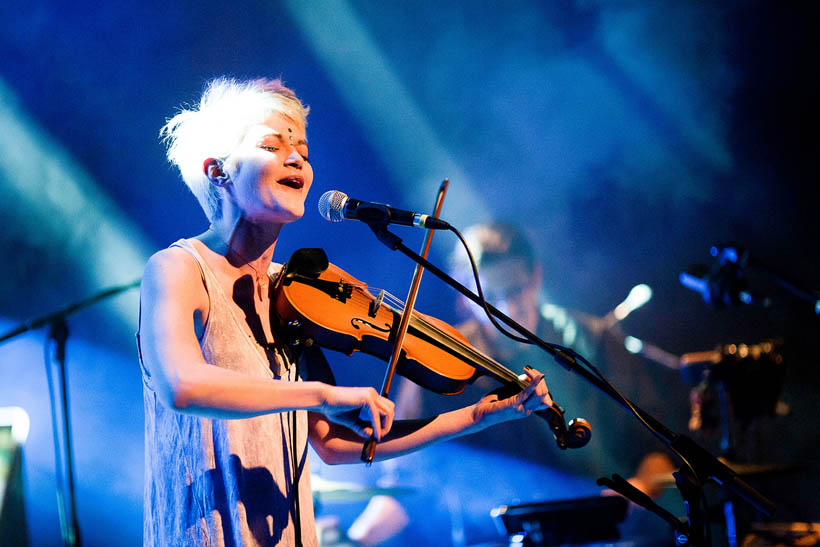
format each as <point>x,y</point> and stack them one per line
<point>331,205</point>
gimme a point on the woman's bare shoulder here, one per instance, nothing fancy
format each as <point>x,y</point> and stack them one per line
<point>174,273</point>
<point>173,264</point>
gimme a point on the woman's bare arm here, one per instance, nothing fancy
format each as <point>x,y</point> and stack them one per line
<point>335,444</point>
<point>172,295</point>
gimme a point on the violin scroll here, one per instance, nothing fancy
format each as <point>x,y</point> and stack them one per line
<point>579,431</point>
<point>574,434</point>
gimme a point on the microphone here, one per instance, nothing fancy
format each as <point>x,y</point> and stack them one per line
<point>723,288</point>
<point>724,284</point>
<point>696,283</point>
<point>336,206</point>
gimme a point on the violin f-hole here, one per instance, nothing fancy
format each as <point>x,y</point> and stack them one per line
<point>354,323</point>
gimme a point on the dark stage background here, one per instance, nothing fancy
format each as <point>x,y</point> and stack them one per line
<point>627,137</point>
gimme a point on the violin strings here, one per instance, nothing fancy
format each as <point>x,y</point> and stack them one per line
<point>454,344</point>
<point>389,298</point>
<point>361,296</point>
<point>476,356</point>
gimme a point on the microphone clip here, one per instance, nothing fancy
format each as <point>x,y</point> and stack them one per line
<point>390,240</point>
<point>373,213</point>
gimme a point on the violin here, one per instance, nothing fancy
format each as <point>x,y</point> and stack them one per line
<point>316,302</point>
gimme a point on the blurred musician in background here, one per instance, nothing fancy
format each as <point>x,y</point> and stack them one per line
<point>512,279</point>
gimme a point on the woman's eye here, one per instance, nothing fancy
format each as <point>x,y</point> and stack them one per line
<point>268,148</point>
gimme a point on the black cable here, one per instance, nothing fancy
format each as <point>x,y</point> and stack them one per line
<point>294,458</point>
<point>702,498</point>
<point>480,292</point>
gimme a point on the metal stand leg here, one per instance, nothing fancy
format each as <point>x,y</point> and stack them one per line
<point>63,463</point>
<point>731,529</point>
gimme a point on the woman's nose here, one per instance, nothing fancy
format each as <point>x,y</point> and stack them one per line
<point>295,160</point>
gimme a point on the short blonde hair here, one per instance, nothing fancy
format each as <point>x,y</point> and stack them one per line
<point>216,126</point>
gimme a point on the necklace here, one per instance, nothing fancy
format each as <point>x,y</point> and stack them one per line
<point>261,280</point>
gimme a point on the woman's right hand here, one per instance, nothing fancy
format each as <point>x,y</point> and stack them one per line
<point>361,409</point>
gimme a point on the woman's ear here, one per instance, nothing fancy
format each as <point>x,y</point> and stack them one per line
<point>216,174</point>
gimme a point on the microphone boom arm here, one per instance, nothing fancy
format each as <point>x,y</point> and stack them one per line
<point>704,464</point>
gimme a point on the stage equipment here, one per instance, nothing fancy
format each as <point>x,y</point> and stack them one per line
<point>565,522</point>
<point>748,470</point>
<point>698,464</point>
<point>61,425</point>
<point>775,534</point>
<point>336,206</point>
<point>738,380</point>
<point>726,284</point>
<point>14,426</point>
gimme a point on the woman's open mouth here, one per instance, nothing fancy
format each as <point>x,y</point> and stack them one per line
<point>293,182</point>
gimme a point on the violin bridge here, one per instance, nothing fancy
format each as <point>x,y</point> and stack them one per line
<point>376,304</point>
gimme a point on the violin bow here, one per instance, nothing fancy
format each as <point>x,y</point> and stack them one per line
<point>369,449</point>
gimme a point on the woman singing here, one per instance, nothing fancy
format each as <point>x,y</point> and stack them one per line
<point>229,407</point>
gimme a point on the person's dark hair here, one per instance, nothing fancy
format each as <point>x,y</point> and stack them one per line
<point>492,243</point>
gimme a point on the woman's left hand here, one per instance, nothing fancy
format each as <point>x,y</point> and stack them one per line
<point>491,410</point>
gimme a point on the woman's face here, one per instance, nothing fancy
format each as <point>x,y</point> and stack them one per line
<point>270,171</point>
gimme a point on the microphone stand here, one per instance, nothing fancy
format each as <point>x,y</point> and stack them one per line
<point>703,464</point>
<point>61,426</point>
<point>620,485</point>
<point>722,283</point>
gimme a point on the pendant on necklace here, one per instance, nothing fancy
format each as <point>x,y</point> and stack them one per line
<point>260,288</point>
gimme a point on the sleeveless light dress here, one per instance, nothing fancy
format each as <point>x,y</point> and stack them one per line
<point>227,482</point>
